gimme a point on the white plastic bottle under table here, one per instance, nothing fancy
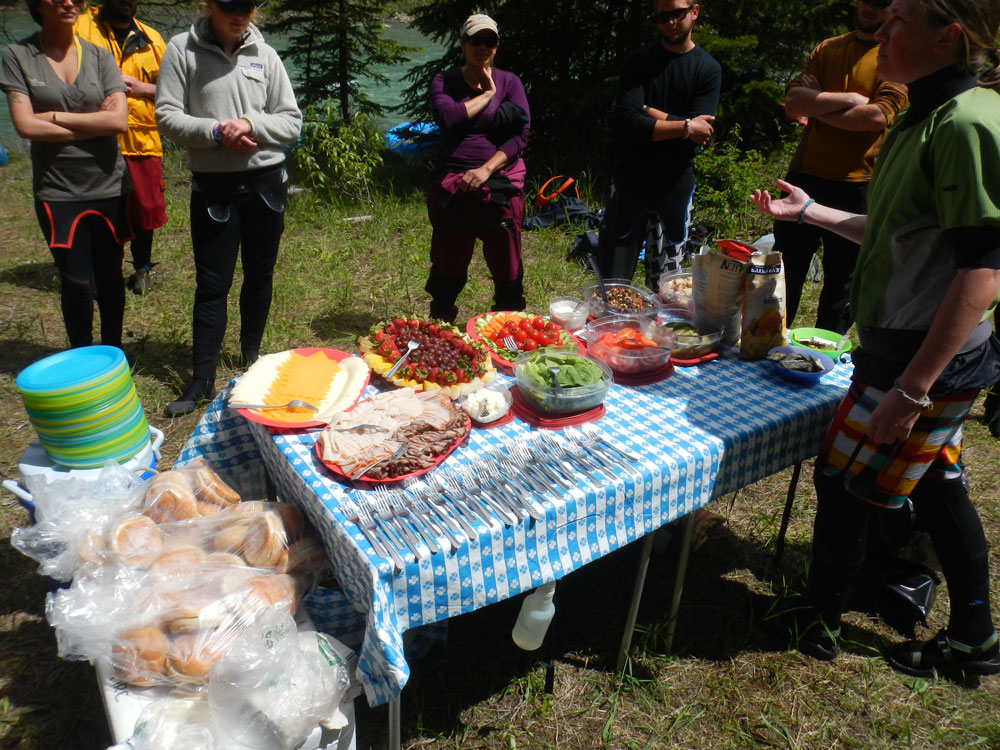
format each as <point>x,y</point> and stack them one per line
<point>534,618</point>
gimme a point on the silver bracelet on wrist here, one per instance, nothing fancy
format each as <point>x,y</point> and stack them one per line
<point>923,403</point>
<point>687,129</point>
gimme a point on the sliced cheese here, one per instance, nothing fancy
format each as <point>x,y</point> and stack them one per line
<point>313,378</point>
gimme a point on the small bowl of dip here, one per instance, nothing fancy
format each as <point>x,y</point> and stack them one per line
<point>569,312</point>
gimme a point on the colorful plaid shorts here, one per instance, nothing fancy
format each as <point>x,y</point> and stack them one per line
<point>886,474</point>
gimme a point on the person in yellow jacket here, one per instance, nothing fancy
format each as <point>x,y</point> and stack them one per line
<point>138,49</point>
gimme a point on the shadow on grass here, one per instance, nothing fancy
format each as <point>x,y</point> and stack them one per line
<point>41,276</point>
<point>719,619</point>
<point>18,354</point>
<point>342,324</point>
<point>45,699</point>
<point>161,360</point>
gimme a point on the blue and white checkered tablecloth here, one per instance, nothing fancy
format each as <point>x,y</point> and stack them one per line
<point>702,433</point>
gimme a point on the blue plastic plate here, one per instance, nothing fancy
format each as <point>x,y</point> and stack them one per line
<point>70,369</point>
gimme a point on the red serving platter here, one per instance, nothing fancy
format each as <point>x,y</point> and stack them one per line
<point>696,361</point>
<point>336,355</point>
<point>470,328</point>
<point>527,413</point>
<point>646,378</point>
<point>339,473</point>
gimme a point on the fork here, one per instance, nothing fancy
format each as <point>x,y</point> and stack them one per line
<point>592,433</point>
<point>563,454</point>
<point>363,520</point>
<point>422,518</point>
<point>435,484</point>
<point>522,503</point>
<point>527,460</point>
<point>395,454</point>
<point>468,486</point>
<point>383,509</point>
<point>425,500</point>
<point>599,449</point>
<point>398,500</point>
<point>510,342</point>
<point>294,402</point>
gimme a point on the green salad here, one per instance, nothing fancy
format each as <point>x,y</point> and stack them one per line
<point>574,370</point>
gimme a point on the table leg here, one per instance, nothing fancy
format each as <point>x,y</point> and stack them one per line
<point>269,489</point>
<point>633,608</point>
<point>779,546</point>
<point>395,726</point>
<point>682,563</point>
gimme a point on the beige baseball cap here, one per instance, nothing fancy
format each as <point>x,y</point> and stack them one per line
<point>478,22</point>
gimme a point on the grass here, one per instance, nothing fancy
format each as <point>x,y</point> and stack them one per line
<point>723,685</point>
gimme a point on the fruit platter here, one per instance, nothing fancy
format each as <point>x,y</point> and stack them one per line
<point>529,332</point>
<point>440,356</point>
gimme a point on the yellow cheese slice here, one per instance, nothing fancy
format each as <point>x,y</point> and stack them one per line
<point>307,378</point>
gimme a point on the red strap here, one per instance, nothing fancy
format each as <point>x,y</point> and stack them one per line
<point>542,200</point>
<point>736,249</point>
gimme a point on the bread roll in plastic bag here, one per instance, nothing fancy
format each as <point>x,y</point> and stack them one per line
<point>164,625</point>
<point>69,514</point>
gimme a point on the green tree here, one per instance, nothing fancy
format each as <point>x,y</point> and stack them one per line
<point>333,43</point>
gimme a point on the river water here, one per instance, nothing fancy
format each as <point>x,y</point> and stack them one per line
<point>18,24</point>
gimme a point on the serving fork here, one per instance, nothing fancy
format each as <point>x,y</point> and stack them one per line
<point>297,403</point>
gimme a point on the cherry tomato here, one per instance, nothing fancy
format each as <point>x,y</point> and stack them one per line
<point>530,345</point>
<point>538,324</point>
<point>524,325</point>
<point>519,336</point>
<point>544,340</point>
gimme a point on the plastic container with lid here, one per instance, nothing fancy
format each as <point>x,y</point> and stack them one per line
<point>624,298</point>
<point>691,342</point>
<point>553,400</point>
<point>677,290</point>
<point>624,359</point>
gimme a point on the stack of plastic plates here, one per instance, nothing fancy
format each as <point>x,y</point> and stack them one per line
<point>83,405</point>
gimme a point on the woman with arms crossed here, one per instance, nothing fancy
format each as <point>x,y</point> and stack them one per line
<point>67,97</point>
<point>224,95</point>
<point>925,286</point>
<point>477,188</point>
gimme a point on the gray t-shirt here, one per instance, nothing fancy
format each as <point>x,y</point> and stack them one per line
<point>81,170</point>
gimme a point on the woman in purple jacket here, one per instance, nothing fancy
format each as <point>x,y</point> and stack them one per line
<point>477,188</point>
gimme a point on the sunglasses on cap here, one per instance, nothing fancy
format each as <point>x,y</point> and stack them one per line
<point>242,8</point>
<point>666,16</point>
<point>483,41</point>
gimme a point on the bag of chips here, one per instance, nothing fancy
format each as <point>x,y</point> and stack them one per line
<point>763,306</point>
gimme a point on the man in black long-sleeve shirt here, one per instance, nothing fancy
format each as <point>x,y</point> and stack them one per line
<point>667,97</point>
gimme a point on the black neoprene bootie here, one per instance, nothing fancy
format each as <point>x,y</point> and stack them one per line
<point>199,391</point>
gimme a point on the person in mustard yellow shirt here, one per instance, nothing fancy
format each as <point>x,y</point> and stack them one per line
<point>138,49</point>
<point>849,109</point>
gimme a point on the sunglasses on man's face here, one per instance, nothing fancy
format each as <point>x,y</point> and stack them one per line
<point>666,16</point>
<point>878,3</point>
<point>60,3</point>
<point>483,41</point>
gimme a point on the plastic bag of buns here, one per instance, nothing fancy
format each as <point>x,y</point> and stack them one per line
<point>69,512</point>
<point>166,624</point>
<point>193,491</point>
